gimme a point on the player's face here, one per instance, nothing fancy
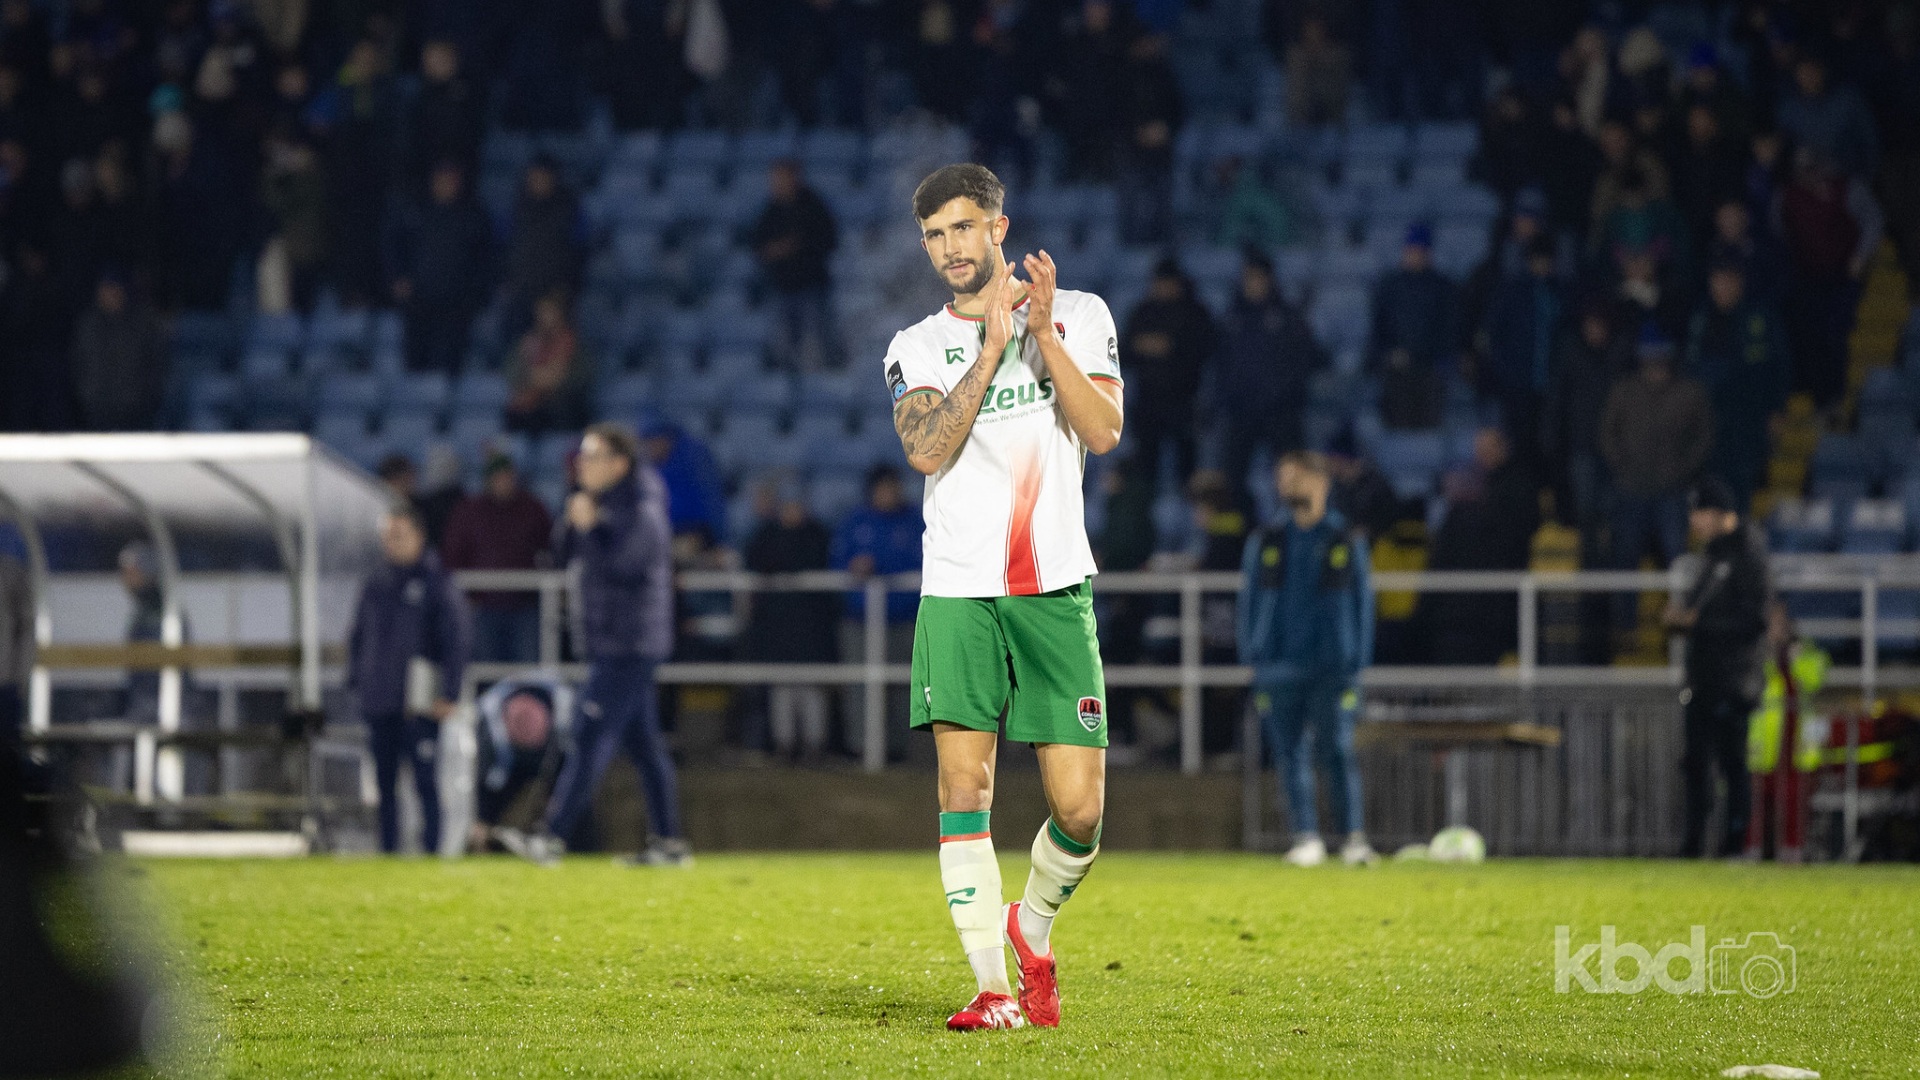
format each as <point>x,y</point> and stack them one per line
<point>962,240</point>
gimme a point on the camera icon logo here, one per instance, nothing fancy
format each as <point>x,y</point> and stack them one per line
<point>1762,966</point>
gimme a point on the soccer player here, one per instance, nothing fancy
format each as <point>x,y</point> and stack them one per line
<point>997,398</point>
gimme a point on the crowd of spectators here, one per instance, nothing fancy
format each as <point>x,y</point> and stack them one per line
<point>1692,196</point>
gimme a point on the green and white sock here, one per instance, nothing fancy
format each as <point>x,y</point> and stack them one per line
<point>1059,864</point>
<point>971,876</point>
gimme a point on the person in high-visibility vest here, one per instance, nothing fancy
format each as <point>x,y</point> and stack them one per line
<point>1796,669</point>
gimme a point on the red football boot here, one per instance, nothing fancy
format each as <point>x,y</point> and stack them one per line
<point>1039,988</point>
<point>986,1010</point>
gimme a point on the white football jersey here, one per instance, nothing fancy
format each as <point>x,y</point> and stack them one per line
<point>1004,515</point>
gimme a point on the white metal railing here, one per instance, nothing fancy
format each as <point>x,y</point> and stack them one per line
<point>874,672</point>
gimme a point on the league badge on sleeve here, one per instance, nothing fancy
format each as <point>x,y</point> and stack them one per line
<point>896,380</point>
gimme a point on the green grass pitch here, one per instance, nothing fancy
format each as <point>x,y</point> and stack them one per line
<point>1170,965</point>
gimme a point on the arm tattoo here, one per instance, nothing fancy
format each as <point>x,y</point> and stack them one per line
<point>933,427</point>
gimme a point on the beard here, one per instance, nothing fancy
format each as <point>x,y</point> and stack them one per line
<point>982,274</point>
<point>1297,502</point>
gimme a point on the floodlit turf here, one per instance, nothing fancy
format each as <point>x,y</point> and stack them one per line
<point>828,965</point>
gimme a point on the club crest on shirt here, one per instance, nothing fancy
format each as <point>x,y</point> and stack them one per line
<point>1090,713</point>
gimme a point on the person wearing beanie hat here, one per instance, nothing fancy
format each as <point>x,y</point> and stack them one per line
<point>502,527</point>
<point>1722,616</point>
<point>1655,435</point>
<point>1738,349</point>
<point>1416,333</point>
<point>1169,338</point>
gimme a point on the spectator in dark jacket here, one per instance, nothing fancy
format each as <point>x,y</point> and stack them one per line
<point>1656,434</point>
<point>1168,343</point>
<point>1522,324</point>
<point>1416,333</point>
<point>504,527</point>
<point>1493,509</point>
<point>791,627</point>
<point>696,498</point>
<point>1590,357</point>
<point>1738,350</point>
<point>408,627</point>
<point>1831,121</point>
<point>793,238</point>
<point>1832,225</point>
<point>616,538</point>
<point>1763,262</point>
<point>1305,624</point>
<point>880,538</point>
<point>438,260</point>
<point>119,360</point>
<point>546,243</point>
<point>1267,358</point>
<point>444,122</point>
<point>1724,618</point>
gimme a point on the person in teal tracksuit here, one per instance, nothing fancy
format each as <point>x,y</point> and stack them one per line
<point>1306,628</point>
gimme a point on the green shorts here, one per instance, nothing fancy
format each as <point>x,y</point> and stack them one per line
<point>1035,658</point>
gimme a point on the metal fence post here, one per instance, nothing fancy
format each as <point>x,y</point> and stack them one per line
<point>873,755</point>
<point>1190,676</point>
<point>1529,651</point>
<point>1869,679</point>
<point>551,587</point>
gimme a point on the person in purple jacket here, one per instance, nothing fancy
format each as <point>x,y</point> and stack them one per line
<point>408,611</point>
<point>616,537</point>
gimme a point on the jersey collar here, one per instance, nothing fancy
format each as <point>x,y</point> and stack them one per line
<point>982,317</point>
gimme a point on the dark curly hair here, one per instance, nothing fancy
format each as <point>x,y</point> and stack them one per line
<point>951,182</point>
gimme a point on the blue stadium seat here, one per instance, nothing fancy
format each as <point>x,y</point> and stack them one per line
<point>741,329</point>
<point>1889,436</point>
<point>834,390</point>
<point>759,149</point>
<point>1370,176</point>
<point>694,192</point>
<point>212,391</point>
<point>472,433</point>
<point>481,391</point>
<point>1397,208</point>
<point>742,432</point>
<point>421,391</point>
<point>1445,141</point>
<point>827,147</point>
<point>636,150</point>
<point>1411,460</point>
<point>708,148</point>
<point>1801,525</point>
<point>409,431</point>
<point>1467,205</point>
<point>681,395</point>
<point>1376,143</point>
<point>833,492</point>
<point>1875,527</point>
<point>341,429</point>
<point>345,330</point>
<point>1459,247</point>
<point>1437,175</point>
<point>284,332</point>
<point>204,331</point>
<point>624,395</point>
<point>1339,316</point>
<point>1345,267</point>
<point>1840,464</point>
<point>365,393</point>
<point>550,454</point>
<point>1885,388</point>
<point>266,364</point>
